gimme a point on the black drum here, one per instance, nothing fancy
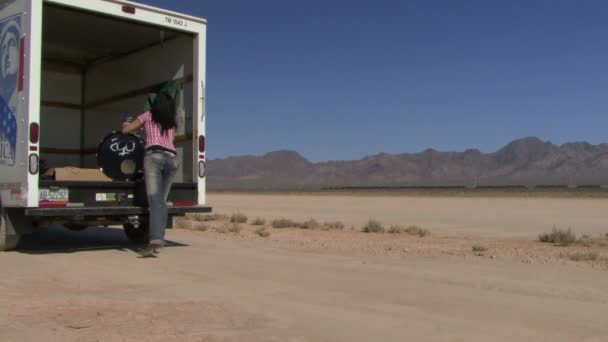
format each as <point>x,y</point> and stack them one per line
<point>121,156</point>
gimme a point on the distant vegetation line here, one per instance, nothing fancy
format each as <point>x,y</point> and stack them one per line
<point>465,187</point>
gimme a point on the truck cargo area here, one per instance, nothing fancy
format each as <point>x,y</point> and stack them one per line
<point>97,69</point>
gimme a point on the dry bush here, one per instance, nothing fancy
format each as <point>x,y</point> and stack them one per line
<point>207,217</point>
<point>229,227</point>
<point>234,227</point>
<point>395,230</point>
<point>258,222</point>
<point>479,249</point>
<point>583,256</point>
<point>201,227</point>
<point>416,230</point>
<point>262,232</point>
<point>333,225</point>
<point>310,224</point>
<point>373,226</point>
<point>591,241</point>
<point>559,237</point>
<point>238,218</point>
<point>183,222</point>
<point>284,223</point>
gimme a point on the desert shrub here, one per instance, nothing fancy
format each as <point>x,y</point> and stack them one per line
<point>284,223</point>
<point>234,227</point>
<point>258,222</point>
<point>416,230</point>
<point>229,227</point>
<point>583,256</point>
<point>310,224</point>
<point>479,249</point>
<point>559,237</point>
<point>395,230</point>
<point>262,232</point>
<point>373,226</point>
<point>238,218</point>
<point>201,227</point>
<point>208,217</point>
<point>333,225</point>
<point>590,241</point>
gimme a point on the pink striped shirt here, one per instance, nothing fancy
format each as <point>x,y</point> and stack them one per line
<point>153,133</point>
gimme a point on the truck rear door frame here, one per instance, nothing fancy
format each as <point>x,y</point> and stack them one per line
<point>132,12</point>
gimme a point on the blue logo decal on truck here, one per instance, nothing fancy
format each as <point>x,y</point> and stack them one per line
<point>10,35</point>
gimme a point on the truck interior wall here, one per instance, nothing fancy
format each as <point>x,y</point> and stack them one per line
<point>60,126</point>
<point>168,61</point>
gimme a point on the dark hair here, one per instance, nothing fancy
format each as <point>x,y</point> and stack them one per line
<point>163,112</point>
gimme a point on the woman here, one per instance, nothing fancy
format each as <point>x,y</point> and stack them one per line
<point>160,164</point>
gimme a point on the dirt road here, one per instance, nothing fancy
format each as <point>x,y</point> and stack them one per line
<point>88,286</point>
<point>506,216</point>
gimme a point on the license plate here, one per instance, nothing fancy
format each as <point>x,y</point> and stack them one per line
<point>55,195</point>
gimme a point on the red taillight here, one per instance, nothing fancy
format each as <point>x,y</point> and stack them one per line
<point>201,144</point>
<point>34,132</point>
<point>53,205</point>
<point>128,9</point>
<point>21,64</point>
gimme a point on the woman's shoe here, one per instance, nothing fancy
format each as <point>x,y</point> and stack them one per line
<point>156,247</point>
<point>147,252</point>
<point>157,244</point>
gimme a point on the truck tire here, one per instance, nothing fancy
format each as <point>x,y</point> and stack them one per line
<point>137,235</point>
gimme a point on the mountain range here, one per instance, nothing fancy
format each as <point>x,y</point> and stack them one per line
<point>528,161</point>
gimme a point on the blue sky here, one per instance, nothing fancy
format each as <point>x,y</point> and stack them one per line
<point>341,79</point>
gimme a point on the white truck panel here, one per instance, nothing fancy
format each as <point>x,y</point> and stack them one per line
<point>200,72</point>
<point>33,48</point>
<point>18,38</point>
<point>147,14</point>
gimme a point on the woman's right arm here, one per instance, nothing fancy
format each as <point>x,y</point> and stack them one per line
<point>128,127</point>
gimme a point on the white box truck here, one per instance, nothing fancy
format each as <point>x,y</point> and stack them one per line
<point>70,70</point>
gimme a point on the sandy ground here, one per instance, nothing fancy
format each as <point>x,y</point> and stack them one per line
<point>314,285</point>
<point>506,216</point>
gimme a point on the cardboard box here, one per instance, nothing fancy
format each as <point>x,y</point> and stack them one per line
<point>77,174</point>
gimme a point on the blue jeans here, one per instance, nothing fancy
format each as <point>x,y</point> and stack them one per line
<point>159,170</point>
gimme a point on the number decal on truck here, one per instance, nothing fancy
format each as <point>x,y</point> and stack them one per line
<point>176,22</point>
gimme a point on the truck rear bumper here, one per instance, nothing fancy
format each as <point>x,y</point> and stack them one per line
<point>109,211</point>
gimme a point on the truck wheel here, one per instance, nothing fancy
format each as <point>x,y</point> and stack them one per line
<point>137,235</point>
